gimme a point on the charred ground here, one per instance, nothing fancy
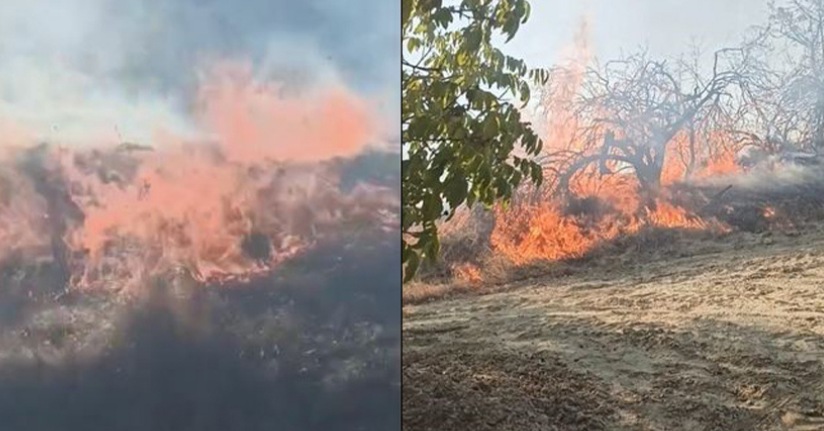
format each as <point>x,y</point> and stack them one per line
<point>315,348</point>
<point>313,344</point>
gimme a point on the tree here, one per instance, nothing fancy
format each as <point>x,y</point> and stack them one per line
<point>631,112</point>
<point>459,125</point>
<point>788,107</point>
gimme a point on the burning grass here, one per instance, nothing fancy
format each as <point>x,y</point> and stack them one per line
<point>620,170</point>
<point>558,238</point>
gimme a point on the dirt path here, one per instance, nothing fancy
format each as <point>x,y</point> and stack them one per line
<point>730,339</point>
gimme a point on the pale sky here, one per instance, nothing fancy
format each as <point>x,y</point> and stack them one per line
<point>666,27</point>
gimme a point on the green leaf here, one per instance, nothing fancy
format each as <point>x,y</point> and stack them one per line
<point>537,173</point>
<point>455,192</point>
<point>516,178</point>
<point>527,11</point>
<point>524,93</point>
<point>473,39</point>
<point>458,136</point>
<point>490,126</point>
<point>413,44</point>
<point>406,11</point>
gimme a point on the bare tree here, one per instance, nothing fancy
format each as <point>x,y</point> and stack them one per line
<point>785,109</point>
<point>631,110</point>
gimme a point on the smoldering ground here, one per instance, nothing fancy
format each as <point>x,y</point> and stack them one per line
<point>315,347</point>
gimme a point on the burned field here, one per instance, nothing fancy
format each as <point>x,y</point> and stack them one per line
<point>276,337</point>
<point>317,349</point>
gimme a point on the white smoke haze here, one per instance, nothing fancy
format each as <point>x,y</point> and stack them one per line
<point>57,70</point>
<point>85,71</point>
<point>668,28</point>
<point>766,178</point>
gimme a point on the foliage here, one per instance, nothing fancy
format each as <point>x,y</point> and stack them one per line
<point>460,128</point>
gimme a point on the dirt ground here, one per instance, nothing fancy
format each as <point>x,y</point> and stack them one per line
<point>723,335</point>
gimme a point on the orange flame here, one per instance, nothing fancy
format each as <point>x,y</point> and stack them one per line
<point>266,190</point>
<point>551,230</point>
<point>605,207</point>
<point>467,273</point>
<point>255,121</point>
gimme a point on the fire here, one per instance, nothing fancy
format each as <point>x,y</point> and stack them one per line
<point>539,233</point>
<point>601,207</point>
<point>700,157</point>
<point>668,215</point>
<point>246,114</point>
<point>467,273</point>
<point>265,189</point>
<point>543,232</point>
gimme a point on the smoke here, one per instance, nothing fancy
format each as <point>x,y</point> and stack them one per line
<point>108,70</point>
<point>769,177</point>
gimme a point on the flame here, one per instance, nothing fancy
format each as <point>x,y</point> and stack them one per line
<point>467,273</point>
<point>706,157</point>
<point>246,114</point>
<point>540,232</point>
<point>666,214</point>
<point>543,232</point>
<point>602,207</point>
<point>266,189</point>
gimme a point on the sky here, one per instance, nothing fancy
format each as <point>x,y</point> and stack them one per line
<point>666,27</point>
<point>74,67</point>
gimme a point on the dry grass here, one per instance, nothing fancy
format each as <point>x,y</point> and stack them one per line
<point>464,241</point>
<point>465,261</point>
<point>494,391</point>
<point>417,292</point>
<point>469,265</point>
<point>669,332</point>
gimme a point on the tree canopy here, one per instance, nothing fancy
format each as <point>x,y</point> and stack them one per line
<point>460,124</point>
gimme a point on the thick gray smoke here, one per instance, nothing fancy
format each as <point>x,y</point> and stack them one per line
<point>117,69</point>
